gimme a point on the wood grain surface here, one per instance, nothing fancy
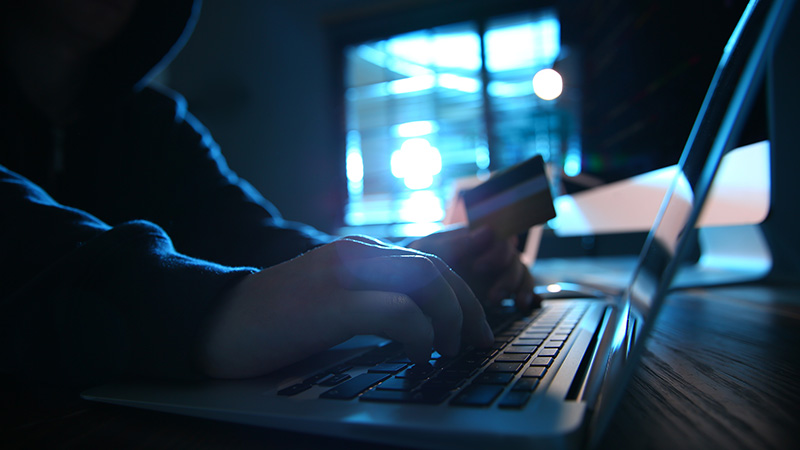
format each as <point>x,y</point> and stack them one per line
<point>721,370</point>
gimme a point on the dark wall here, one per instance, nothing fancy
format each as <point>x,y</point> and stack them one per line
<point>646,66</point>
<point>256,74</point>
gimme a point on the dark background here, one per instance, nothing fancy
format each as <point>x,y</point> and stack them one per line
<point>263,77</point>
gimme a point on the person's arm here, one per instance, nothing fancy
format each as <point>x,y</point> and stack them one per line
<point>82,302</point>
<point>205,207</point>
<point>87,302</point>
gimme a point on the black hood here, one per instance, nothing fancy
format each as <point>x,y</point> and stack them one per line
<point>156,33</point>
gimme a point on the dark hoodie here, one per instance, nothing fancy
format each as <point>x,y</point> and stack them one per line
<point>120,232</point>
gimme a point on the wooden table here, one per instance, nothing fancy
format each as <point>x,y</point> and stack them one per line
<point>721,371</point>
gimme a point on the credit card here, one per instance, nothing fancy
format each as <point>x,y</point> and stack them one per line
<point>512,200</point>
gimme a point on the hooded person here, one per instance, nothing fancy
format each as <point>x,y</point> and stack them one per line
<point>129,248</point>
<point>133,157</point>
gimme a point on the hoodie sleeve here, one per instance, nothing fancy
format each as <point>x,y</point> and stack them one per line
<point>82,302</point>
<point>209,211</point>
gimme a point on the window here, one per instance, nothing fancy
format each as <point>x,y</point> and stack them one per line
<point>428,108</point>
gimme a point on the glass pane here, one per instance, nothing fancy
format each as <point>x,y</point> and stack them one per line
<point>414,117</point>
<point>518,47</point>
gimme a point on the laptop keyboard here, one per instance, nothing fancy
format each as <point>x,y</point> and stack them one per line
<point>506,374</point>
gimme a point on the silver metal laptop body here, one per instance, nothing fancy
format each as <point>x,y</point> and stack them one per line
<point>551,380</point>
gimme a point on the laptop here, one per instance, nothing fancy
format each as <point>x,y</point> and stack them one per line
<point>552,378</point>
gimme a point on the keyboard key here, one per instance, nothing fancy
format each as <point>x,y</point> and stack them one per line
<point>499,345</point>
<point>417,371</point>
<point>399,359</point>
<point>428,397</point>
<point>535,336</point>
<point>513,357</point>
<point>485,352</point>
<point>532,332</point>
<point>399,384</point>
<point>526,384</point>
<point>294,389</point>
<point>506,334</point>
<point>542,361</point>
<point>504,367</point>
<point>469,362</point>
<point>497,378</point>
<point>377,355</point>
<point>443,384</point>
<point>387,368</point>
<point>553,343</point>
<point>477,395</point>
<point>316,378</point>
<point>548,352</point>
<point>523,341</point>
<point>521,349</point>
<point>534,372</point>
<point>350,389</point>
<point>456,373</point>
<point>515,399</point>
<point>334,379</point>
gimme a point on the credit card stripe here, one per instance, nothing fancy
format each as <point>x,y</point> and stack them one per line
<point>514,219</point>
<point>509,197</point>
<point>505,179</point>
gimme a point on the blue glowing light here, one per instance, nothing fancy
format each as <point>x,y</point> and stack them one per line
<point>572,164</point>
<point>525,45</point>
<point>482,157</point>
<point>416,163</point>
<point>415,129</point>
<point>355,167</point>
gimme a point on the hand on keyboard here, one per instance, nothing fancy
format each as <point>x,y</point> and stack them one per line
<point>353,286</point>
<point>491,266</point>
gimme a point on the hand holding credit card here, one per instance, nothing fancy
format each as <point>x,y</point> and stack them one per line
<point>513,200</point>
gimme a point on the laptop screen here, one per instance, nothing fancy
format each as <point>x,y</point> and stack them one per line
<point>716,131</point>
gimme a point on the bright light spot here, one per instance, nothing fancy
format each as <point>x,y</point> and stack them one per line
<point>414,129</point>
<point>418,229</point>
<point>416,163</point>
<point>523,45</point>
<point>454,50</point>
<point>412,84</point>
<point>458,83</point>
<point>355,167</point>
<point>572,164</point>
<point>547,84</point>
<point>458,50</point>
<point>482,158</point>
<point>421,206</point>
<point>553,288</point>
<point>508,89</point>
